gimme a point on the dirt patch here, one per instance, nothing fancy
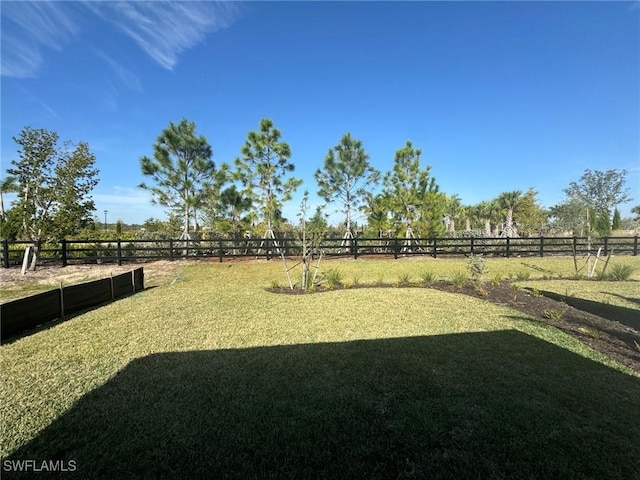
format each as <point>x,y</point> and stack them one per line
<point>612,338</point>
<point>16,285</point>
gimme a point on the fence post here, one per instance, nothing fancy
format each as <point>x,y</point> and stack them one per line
<point>395,248</point>
<point>472,246</point>
<point>355,248</point>
<point>171,250</point>
<point>61,301</point>
<point>635,246</point>
<point>5,253</point>
<point>220,252</point>
<point>606,246</point>
<point>64,252</point>
<point>508,253</point>
<point>119,252</point>
<point>575,245</point>
<point>542,246</point>
<point>435,247</point>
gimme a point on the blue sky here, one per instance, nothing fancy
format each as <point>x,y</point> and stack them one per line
<point>498,95</point>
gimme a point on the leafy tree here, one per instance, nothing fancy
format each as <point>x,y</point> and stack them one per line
<point>377,211</point>
<point>317,225</point>
<point>432,213</point>
<point>346,176</point>
<point>10,225</point>
<point>616,223</point>
<point>234,212</point>
<point>407,186</point>
<point>54,184</point>
<point>262,170</point>
<point>601,222</point>
<point>636,210</point>
<point>600,190</point>
<point>509,202</point>
<point>530,217</point>
<point>570,216</point>
<point>182,171</point>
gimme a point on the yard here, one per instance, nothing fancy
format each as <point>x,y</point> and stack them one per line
<point>209,374</point>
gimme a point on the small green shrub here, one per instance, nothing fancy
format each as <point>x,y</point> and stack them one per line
<point>275,284</point>
<point>553,314</point>
<point>496,279</point>
<point>334,278</point>
<point>590,332</point>
<point>458,278</point>
<point>356,280</point>
<point>481,290</point>
<point>428,277</point>
<point>620,272</point>
<point>476,267</point>
<point>522,275</point>
<point>404,278</point>
<point>535,292</point>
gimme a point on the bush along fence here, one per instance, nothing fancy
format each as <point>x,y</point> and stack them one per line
<point>118,251</point>
<point>23,314</point>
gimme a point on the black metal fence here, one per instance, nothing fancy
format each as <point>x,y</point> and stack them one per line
<point>70,252</point>
<point>25,313</point>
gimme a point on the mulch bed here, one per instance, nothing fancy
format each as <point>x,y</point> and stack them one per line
<point>614,339</point>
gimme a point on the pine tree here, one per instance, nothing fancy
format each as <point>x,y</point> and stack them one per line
<point>262,169</point>
<point>346,176</point>
<point>182,170</point>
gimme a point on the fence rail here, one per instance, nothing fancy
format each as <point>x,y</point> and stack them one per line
<point>118,251</point>
<point>25,313</point>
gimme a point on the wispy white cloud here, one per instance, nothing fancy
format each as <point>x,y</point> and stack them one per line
<point>124,74</point>
<point>28,28</point>
<point>163,30</point>
<point>46,107</point>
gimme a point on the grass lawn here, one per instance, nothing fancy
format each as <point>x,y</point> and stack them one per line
<point>212,376</point>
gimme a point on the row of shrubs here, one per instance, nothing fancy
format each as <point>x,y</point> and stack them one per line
<point>476,270</point>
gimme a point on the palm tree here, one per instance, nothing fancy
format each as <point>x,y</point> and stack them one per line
<point>509,202</point>
<point>453,211</point>
<point>486,212</point>
<point>7,185</point>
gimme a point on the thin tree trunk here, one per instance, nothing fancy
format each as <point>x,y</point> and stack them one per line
<point>508,229</point>
<point>36,256</point>
<point>487,227</point>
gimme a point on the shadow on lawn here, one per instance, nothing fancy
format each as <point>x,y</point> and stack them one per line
<point>484,405</point>
<point>627,316</point>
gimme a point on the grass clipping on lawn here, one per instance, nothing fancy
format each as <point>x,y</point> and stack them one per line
<point>212,375</point>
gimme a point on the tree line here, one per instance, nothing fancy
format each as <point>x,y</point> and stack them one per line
<point>53,182</point>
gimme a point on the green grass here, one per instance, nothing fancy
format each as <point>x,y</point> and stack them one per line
<point>619,301</point>
<point>213,376</point>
